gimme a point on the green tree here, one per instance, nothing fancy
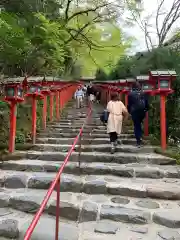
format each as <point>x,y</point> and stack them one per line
<point>101,75</point>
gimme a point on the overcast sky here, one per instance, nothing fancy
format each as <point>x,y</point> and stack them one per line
<point>150,6</point>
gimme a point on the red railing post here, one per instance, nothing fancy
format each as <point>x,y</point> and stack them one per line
<point>60,108</point>
<point>34,116</point>
<point>163,120</point>
<point>12,137</point>
<point>57,209</point>
<point>51,107</point>
<point>57,105</point>
<point>44,111</point>
<point>62,98</point>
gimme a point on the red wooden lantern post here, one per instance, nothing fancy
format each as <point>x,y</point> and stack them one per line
<point>147,87</point>
<point>55,93</point>
<point>46,92</point>
<point>60,100</point>
<point>34,91</point>
<point>163,81</point>
<point>63,97</point>
<point>51,106</point>
<point>13,95</point>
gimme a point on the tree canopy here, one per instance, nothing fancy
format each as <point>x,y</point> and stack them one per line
<point>55,36</point>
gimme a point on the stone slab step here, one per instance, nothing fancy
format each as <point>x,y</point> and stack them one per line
<point>82,208</point>
<point>79,122</point>
<point>77,126</point>
<point>13,225</point>
<point>85,130</point>
<point>84,141</point>
<point>57,134</point>
<point>130,187</point>
<point>94,148</point>
<point>72,117</point>
<point>124,158</point>
<point>69,125</point>
<point>135,170</point>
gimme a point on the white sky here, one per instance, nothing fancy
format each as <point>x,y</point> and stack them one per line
<point>150,7</point>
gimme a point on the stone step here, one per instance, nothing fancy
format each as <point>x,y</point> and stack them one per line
<point>84,141</point>
<point>124,158</point>
<point>130,187</point>
<point>77,126</point>
<point>14,224</point>
<point>57,134</point>
<point>130,170</point>
<point>85,130</point>
<point>69,125</point>
<point>94,148</point>
<point>72,117</point>
<point>79,123</point>
<point>82,208</point>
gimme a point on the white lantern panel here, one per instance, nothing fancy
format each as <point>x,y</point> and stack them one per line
<point>164,84</point>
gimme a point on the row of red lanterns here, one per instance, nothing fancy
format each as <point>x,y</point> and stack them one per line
<point>156,83</point>
<point>16,92</point>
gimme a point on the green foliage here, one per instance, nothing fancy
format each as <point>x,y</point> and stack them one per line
<point>60,37</point>
<point>101,75</point>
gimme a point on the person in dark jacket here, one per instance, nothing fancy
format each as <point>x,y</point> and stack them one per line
<point>137,106</point>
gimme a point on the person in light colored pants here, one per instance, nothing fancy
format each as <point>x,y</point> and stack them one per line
<point>79,100</point>
<point>79,97</point>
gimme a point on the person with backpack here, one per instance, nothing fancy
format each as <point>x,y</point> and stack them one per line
<point>137,107</point>
<point>117,111</point>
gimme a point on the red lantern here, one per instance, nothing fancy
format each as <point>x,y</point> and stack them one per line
<point>162,81</point>
<point>146,83</point>
<point>14,92</point>
<point>13,95</point>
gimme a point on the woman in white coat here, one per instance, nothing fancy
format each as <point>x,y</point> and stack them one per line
<point>117,111</point>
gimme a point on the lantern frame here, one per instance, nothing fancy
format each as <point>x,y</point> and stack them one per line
<point>37,93</point>
<point>45,90</point>
<point>16,87</point>
<point>162,75</point>
<point>144,80</point>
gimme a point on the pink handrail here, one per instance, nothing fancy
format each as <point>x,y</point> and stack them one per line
<point>55,183</point>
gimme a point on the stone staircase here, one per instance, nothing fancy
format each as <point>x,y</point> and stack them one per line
<point>133,194</point>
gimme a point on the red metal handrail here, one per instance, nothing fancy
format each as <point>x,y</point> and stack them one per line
<point>55,183</point>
